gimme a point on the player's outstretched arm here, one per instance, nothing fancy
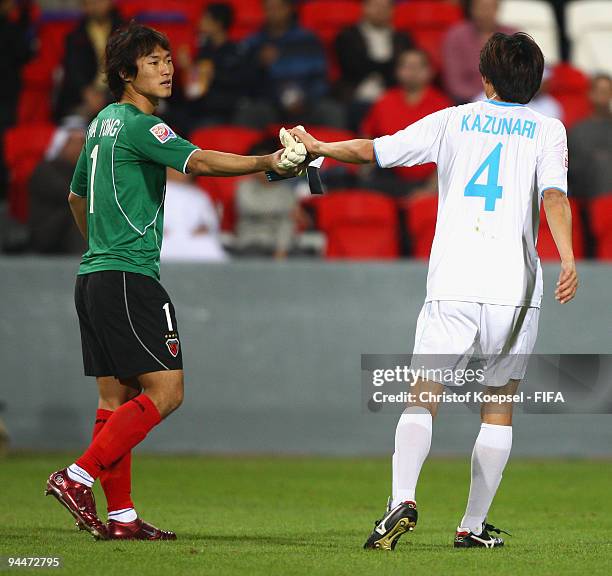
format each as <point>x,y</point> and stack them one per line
<point>358,151</point>
<point>78,207</point>
<point>212,163</point>
<point>559,217</point>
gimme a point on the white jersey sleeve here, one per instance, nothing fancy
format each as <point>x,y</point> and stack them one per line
<point>551,168</point>
<point>419,143</point>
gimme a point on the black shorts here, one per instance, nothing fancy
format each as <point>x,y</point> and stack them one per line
<point>128,325</point>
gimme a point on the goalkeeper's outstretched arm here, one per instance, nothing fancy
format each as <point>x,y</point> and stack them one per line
<point>213,163</point>
<point>358,151</point>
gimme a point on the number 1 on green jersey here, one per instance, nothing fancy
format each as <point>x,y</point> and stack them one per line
<point>94,160</point>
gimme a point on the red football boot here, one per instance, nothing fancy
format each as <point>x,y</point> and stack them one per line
<point>137,530</point>
<point>78,500</point>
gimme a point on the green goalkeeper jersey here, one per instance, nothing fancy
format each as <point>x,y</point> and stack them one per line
<point>122,173</point>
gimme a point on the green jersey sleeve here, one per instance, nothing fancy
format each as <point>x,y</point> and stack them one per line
<point>78,185</point>
<point>152,139</point>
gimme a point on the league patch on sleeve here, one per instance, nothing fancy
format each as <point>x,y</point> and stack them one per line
<point>162,132</point>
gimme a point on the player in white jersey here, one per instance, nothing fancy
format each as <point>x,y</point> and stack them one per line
<point>496,160</point>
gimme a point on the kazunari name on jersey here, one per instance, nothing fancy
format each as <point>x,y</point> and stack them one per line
<point>122,173</point>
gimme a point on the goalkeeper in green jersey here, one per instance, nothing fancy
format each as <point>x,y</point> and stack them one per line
<point>129,333</point>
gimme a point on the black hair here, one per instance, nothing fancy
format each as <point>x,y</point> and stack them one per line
<point>222,13</point>
<point>123,49</point>
<point>514,64</point>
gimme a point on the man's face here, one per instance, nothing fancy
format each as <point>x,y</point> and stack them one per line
<point>484,13</point>
<point>413,72</point>
<point>378,12</point>
<point>209,25</point>
<point>97,9</point>
<point>277,12</point>
<point>154,78</point>
<point>601,94</point>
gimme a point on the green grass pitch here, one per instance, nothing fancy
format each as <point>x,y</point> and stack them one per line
<point>304,516</point>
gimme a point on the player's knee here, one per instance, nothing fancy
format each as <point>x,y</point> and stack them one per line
<point>177,397</point>
<point>173,397</point>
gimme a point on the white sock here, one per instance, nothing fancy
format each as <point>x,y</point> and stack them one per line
<point>80,475</point>
<point>489,457</point>
<point>412,442</point>
<point>123,515</point>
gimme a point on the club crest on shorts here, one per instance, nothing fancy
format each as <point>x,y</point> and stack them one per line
<point>173,346</point>
<point>162,132</point>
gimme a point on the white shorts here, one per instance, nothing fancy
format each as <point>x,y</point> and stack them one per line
<point>450,333</point>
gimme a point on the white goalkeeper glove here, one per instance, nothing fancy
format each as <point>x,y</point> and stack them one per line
<point>294,153</point>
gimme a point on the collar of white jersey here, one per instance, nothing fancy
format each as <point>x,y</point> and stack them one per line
<point>498,103</point>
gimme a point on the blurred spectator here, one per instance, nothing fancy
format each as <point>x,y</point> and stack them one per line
<point>52,229</point>
<point>83,91</point>
<point>399,107</point>
<point>559,9</point>
<point>15,46</point>
<point>267,213</point>
<point>590,144</point>
<point>191,226</point>
<point>462,45</point>
<point>367,53</point>
<point>213,84</point>
<point>286,73</point>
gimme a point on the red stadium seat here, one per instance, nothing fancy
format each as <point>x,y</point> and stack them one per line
<point>235,139</point>
<point>248,18</point>
<point>600,216</point>
<point>227,138</point>
<point>191,10</point>
<point>547,250</point>
<point>427,21</point>
<point>24,147</point>
<point>38,75</point>
<point>359,225</point>
<point>420,214</point>
<point>570,87</point>
<point>326,18</point>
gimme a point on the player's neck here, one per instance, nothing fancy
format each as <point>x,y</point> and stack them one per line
<point>144,103</point>
<point>414,96</point>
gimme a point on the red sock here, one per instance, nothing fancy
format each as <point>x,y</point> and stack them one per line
<point>127,427</point>
<point>117,480</point>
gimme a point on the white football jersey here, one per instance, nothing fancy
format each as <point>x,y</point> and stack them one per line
<point>494,161</point>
